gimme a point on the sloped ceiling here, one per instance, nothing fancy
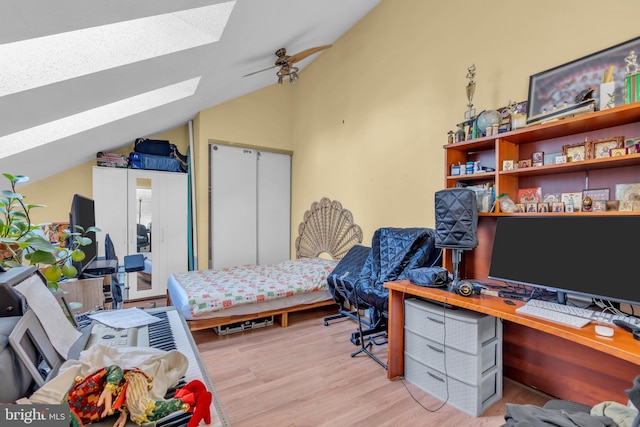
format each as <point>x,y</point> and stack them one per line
<point>52,115</point>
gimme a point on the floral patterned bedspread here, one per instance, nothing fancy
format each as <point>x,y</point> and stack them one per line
<point>214,290</point>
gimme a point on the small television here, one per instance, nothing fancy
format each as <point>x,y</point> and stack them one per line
<point>588,255</point>
<point>83,214</point>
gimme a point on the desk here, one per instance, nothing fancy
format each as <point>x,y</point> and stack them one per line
<point>568,363</point>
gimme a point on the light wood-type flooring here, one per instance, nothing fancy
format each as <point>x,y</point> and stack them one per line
<point>303,375</point>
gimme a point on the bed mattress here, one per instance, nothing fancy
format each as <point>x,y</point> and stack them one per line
<point>248,289</point>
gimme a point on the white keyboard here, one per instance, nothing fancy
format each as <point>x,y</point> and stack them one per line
<point>594,315</point>
<point>553,316</point>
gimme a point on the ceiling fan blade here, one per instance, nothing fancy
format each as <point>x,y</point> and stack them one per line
<point>259,71</point>
<point>302,55</point>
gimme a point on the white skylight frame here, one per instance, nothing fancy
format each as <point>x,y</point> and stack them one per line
<point>28,64</point>
<point>52,131</point>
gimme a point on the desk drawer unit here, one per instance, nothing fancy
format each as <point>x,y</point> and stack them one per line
<point>454,355</point>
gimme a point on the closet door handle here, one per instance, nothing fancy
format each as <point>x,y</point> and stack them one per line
<point>436,349</point>
<point>433,319</point>
<point>435,377</point>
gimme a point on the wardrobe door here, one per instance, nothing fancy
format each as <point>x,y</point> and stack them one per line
<point>274,207</point>
<point>110,198</point>
<point>233,224</point>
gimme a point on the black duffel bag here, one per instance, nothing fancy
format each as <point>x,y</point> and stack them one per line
<point>156,147</point>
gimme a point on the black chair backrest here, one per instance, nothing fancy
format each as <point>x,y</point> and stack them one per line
<point>110,253</point>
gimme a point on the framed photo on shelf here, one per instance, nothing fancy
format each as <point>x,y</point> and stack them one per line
<point>520,207</point>
<point>628,192</point>
<point>559,85</point>
<point>625,206</point>
<point>601,148</point>
<point>537,158</point>
<point>524,163</point>
<point>633,149</point>
<point>543,207</point>
<point>618,152</point>
<point>572,201</point>
<point>529,195</point>
<point>557,207</point>
<point>507,165</point>
<point>596,194</point>
<point>599,206</point>
<point>575,152</point>
<point>612,205</point>
<point>531,207</point>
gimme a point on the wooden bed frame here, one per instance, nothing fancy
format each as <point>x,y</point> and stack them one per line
<point>326,228</point>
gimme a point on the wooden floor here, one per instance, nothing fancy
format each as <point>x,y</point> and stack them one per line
<point>304,375</point>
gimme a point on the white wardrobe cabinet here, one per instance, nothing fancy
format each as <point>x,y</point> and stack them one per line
<point>250,207</point>
<point>145,212</point>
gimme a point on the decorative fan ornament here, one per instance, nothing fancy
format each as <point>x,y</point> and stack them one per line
<point>285,62</point>
<point>327,227</point>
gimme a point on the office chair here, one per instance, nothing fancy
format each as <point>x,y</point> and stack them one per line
<point>131,263</point>
<point>142,237</point>
<point>456,211</point>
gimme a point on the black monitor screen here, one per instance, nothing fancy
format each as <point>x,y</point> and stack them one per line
<point>83,214</point>
<point>593,256</point>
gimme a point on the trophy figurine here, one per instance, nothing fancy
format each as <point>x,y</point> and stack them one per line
<point>471,88</point>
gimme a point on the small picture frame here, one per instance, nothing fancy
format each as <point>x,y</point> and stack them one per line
<point>561,159</point>
<point>520,207</point>
<point>507,165</point>
<point>572,201</point>
<point>601,148</point>
<point>599,206</point>
<point>596,194</point>
<point>633,149</point>
<point>557,207</point>
<point>537,158</point>
<point>618,152</point>
<point>575,152</point>
<point>543,207</point>
<point>524,163</point>
<point>531,207</point>
<point>612,205</point>
<point>625,206</point>
<point>530,195</point>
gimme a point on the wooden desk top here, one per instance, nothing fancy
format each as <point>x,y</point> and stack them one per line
<point>622,345</point>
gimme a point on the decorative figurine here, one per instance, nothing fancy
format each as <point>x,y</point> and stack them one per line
<point>460,134</point>
<point>471,88</point>
<point>587,203</point>
<point>632,65</point>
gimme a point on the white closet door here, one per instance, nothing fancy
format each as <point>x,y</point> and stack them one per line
<point>274,207</point>
<point>110,198</point>
<point>233,206</point>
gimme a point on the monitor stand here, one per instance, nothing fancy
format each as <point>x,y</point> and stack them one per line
<point>562,297</point>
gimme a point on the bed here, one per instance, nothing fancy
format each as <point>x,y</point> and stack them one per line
<point>214,298</point>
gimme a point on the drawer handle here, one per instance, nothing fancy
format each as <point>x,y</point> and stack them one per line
<point>434,376</point>
<point>439,350</point>
<point>435,320</point>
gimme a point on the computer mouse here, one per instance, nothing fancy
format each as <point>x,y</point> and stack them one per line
<point>605,331</point>
<point>509,302</point>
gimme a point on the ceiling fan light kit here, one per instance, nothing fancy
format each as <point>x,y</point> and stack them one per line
<point>285,62</point>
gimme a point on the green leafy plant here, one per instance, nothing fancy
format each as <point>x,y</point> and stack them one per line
<point>21,242</point>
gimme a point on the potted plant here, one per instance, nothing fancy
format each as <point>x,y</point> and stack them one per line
<point>22,243</point>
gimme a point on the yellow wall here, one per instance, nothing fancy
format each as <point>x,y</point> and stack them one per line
<point>368,118</point>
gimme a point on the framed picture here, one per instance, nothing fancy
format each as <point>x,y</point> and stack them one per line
<point>550,158</point>
<point>529,195</point>
<point>601,148</point>
<point>612,205</point>
<point>557,207</point>
<point>596,194</point>
<point>631,142</point>
<point>559,85</point>
<point>507,165</point>
<point>520,207</point>
<point>625,206</point>
<point>599,206</point>
<point>628,192</point>
<point>617,152</point>
<point>551,198</point>
<point>524,163</point>
<point>543,207</point>
<point>537,158</point>
<point>561,159</point>
<point>572,201</point>
<point>633,149</point>
<point>575,152</point>
<point>531,207</point>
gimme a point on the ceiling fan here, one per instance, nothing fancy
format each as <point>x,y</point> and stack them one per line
<point>285,62</point>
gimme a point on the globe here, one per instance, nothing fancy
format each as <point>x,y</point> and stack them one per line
<point>486,119</point>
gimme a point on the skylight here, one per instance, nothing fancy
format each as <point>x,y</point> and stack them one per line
<point>64,56</point>
<point>71,125</point>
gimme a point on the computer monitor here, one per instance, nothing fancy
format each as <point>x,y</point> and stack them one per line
<point>589,255</point>
<point>83,214</point>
